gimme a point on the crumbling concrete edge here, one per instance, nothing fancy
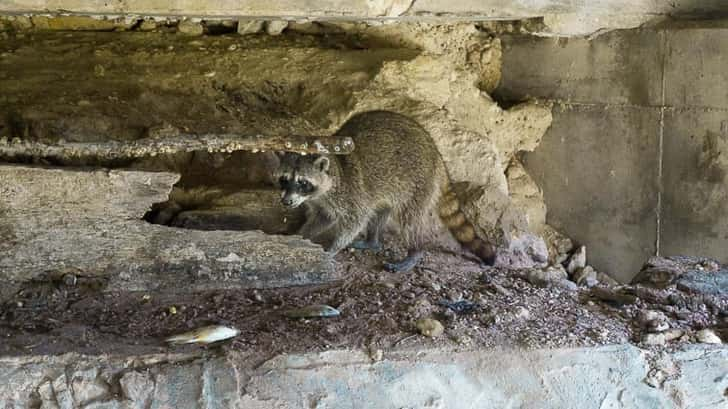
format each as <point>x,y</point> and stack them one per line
<point>589,377</point>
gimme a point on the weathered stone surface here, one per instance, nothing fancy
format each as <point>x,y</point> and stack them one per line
<point>601,206</point>
<point>89,223</point>
<point>562,378</point>
<point>695,200</point>
<point>579,70</point>
<point>571,17</point>
<point>704,282</point>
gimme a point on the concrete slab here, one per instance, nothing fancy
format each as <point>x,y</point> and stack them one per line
<point>583,378</point>
<point>695,205</point>
<point>695,72</point>
<point>58,221</point>
<point>598,167</point>
<point>621,67</point>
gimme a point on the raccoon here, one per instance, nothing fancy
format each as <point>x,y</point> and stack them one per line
<point>394,173</point>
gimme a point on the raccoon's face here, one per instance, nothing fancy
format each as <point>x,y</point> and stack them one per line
<point>302,178</point>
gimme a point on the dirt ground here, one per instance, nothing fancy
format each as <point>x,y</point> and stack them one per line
<point>378,311</point>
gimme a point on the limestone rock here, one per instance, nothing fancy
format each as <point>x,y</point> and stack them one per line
<point>275,27</point>
<point>586,276</point>
<point>93,219</point>
<point>525,251</point>
<point>148,24</point>
<point>708,336</point>
<point>577,260</point>
<point>137,387</point>
<point>246,27</point>
<point>190,28</point>
<point>429,327</point>
<point>653,339</point>
<point>658,272</point>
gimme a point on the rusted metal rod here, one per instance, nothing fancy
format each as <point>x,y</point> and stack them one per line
<point>152,146</point>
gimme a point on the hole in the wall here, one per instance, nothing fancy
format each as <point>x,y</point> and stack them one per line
<point>222,191</point>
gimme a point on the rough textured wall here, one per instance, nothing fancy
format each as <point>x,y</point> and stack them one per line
<point>634,163</point>
<point>307,81</point>
<point>563,17</point>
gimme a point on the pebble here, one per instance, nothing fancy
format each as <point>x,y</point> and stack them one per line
<point>653,339</point>
<point>577,260</point>
<point>655,378</point>
<point>521,313</point>
<point>376,355</point>
<point>585,276</point>
<point>708,336</point>
<point>429,327</point>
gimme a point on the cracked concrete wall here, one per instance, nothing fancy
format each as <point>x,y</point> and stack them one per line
<point>634,163</point>
<point>619,376</point>
<point>571,17</point>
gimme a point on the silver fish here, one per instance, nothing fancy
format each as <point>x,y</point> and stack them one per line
<point>312,311</point>
<point>204,335</point>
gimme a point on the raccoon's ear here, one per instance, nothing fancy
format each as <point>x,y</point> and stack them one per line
<point>321,163</point>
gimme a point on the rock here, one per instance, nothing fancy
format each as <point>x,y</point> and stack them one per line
<point>524,251</point>
<point>376,355</point>
<point>521,313</point>
<point>429,327</point>
<point>276,27</point>
<point>577,260</point>
<point>137,387</point>
<point>704,282</point>
<point>104,201</point>
<point>545,276</point>
<point>246,27</point>
<point>190,28</point>
<point>655,378</point>
<point>565,284</point>
<point>658,272</point>
<point>87,387</point>
<point>585,276</point>
<point>653,321</point>
<point>148,24</point>
<point>653,339</point>
<point>708,336</point>
<point>606,279</point>
<point>673,334</point>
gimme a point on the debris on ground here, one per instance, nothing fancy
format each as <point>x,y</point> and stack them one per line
<point>378,310</point>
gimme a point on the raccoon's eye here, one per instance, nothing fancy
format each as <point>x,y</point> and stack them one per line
<point>283,181</point>
<point>305,185</point>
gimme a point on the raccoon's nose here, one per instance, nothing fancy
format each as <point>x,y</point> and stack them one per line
<point>287,201</point>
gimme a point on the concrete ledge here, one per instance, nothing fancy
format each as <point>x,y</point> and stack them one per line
<point>89,224</point>
<point>619,376</point>
<point>563,17</point>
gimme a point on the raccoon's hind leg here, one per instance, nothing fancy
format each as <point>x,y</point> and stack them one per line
<point>374,232</point>
<point>407,264</point>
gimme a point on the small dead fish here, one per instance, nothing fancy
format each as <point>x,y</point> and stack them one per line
<point>204,335</point>
<point>312,311</point>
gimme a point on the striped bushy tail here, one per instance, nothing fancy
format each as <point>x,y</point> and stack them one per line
<point>454,218</point>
